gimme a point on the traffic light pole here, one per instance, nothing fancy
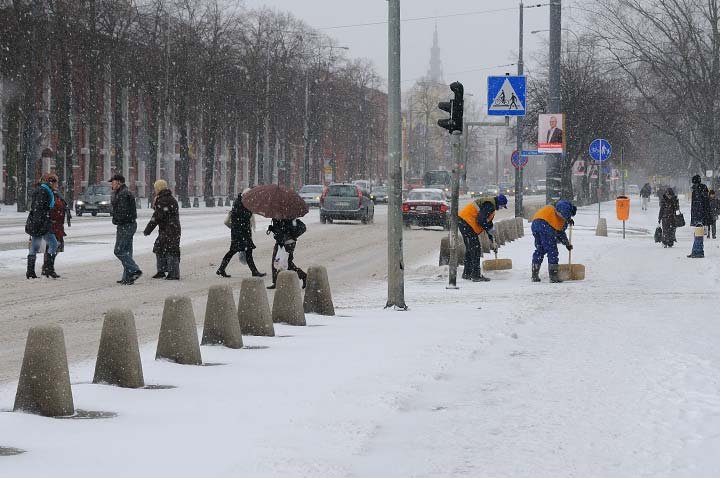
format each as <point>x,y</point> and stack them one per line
<point>519,126</point>
<point>456,142</point>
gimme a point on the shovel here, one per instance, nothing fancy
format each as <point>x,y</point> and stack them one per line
<point>571,271</point>
<point>497,264</point>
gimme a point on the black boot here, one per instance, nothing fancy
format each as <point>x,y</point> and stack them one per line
<point>161,265</point>
<point>50,267</point>
<point>43,269</point>
<point>251,264</point>
<point>536,272</point>
<point>224,264</point>
<point>30,274</point>
<point>554,270</point>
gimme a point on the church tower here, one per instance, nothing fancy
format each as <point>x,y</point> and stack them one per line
<point>435,73</point>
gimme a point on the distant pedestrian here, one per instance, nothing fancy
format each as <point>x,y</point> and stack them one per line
<point>714,213</point>
<point>474,219</point>
<point>286,233</point>
<point>669,205</point>
<point>699,215</point>
<point>645,194</point>
<point>58,215</point>
<point>548,227</point>
<point>124,216</point>
<point>39,226</point>
<point>167,245</point>
<point>241,242</point>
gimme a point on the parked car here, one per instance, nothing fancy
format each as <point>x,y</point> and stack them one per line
<point>379,194</point>
<point>363,184</point>
<point>346,201</point>
<point>95,199</point>
<point>310,193</point>
<point>426,207</point>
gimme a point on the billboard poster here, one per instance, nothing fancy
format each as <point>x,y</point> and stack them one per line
<point>551,133</point>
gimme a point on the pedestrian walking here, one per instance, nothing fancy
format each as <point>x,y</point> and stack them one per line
<point>39,226</point>
<point>669,205</point>
<point>166,217</point>
<point>286,233</point>
<point>699,215</point>
<point>714,213</point>
<point>548,228</point>
<point>124,216</point>
<point>60,213</point>
<point>474,219</point>
<point>645,194</point>
<point>241,226</point>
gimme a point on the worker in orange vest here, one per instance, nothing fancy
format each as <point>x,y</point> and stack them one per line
<point>548,228</point>
<point>473,220</point>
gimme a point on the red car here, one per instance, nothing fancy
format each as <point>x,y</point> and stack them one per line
<point>426,207</point>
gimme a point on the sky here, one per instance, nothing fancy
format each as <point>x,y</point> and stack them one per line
<point>479,42</point>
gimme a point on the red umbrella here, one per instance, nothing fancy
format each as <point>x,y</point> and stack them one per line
<point>274,201</point>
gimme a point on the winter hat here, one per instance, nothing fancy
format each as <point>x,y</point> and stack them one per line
<point>246,190</point>
<point>564,208</point>
<point>160,185</point>
<point>502,201</point>
<point>696,179</point>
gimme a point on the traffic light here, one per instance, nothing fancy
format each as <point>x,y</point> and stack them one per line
<point>455,108</point>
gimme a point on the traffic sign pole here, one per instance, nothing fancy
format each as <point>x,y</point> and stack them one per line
<point>600,150</point>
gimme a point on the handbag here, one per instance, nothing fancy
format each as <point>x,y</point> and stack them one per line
<point>228,219</point>
<point>678,219</point>
<point>658,234</point>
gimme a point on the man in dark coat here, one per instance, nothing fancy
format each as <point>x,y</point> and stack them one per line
<point>38,225</point>
<point>241,228</point>
<point>666,217</point>
<point>700,215</point>
<point>125,218</point>
<point>167,245</point>
<point>286,233</point>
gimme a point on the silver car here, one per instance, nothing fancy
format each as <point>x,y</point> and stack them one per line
<point>346,201</point>
<point>310,193</point>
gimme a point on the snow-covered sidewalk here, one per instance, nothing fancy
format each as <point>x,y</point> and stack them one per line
<point>615,376</point>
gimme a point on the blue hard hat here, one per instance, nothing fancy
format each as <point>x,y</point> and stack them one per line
<point>565,209</point>
<point>502,201</point>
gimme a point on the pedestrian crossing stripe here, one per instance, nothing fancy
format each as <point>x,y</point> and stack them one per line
<point>506,99</point>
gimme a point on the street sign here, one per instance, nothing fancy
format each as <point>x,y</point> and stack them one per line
<point>518,160</point>
<point>600,150</point>
<point>506,96</point>
<point>531,153</point>
<point>579,168</point>
<point>593,172</point>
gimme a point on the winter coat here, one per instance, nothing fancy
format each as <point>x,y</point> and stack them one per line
<point>38,221</point>
<point>58,214</point>
<point>700,206</point>
<point>714,208</point>
<point>123,206</point>
<point>167,218</point>
<point>668,205</point>
<point>286,230</point>
<point>550,216</point>
<point>479,214</point>
<point>646,191</point>
<point>241,226</point>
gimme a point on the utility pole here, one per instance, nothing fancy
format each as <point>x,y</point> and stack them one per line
<point>497,164</point>
<point>306,132</point>
<point>396,277</point>
<point>553,170</point>
<point>519,126</point>
<point>267,174</point>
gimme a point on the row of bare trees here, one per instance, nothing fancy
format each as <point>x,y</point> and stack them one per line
<point>205,70</point>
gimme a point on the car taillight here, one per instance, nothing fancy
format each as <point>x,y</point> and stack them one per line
<point>405,208</point>
<point>359,198</point>
<point>443,208</point>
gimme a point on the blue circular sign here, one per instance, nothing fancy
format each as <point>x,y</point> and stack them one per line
<point>600,150</point>
<point>518,161</point>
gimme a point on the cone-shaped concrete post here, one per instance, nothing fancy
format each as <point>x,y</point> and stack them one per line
<point>178,333</point>
<point>318,298</point>
<point>44,386</point>
<point>484,243</point>
<point>221,322</point>
<point>288,304</point>
<point>520,224</point>
<point>118,361</point>
<point>601,229</point>
<point>444,252</point>
<point>499,234</point>
<point>253,308</point>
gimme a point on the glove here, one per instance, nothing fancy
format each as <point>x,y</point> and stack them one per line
<point>569,247</point>
<point>145,234</point>
<point>269,230</point>
<point>571,222</point>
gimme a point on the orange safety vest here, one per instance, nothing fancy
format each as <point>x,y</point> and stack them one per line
<point>469,213</point>
<point>550,215</point>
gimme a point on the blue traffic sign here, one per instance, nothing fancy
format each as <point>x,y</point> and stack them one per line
<point>518,160</point>
<point>506,96</point>
<point>531,153</point>
<point>600,149</point>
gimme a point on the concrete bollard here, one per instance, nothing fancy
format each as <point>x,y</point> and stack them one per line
<point>601,229</point>
<point>44,386</point>
<point>484,243</point>
<point>221,322</point>
<point>318,297</point>
<point>253,308</point>
<point>445,250</point>
<point>520,224</point>
<point>530,210</point>
<point>178,340</point>
<point>118,361</point>
<point>288,304</point>
<point>499,234</point>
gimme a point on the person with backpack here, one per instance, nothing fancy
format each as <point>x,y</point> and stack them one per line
<point>241,242</point>
<point>286,233</point>
<point>39,226</point>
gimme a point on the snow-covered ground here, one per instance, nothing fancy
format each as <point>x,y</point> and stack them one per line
<point>615,376</point>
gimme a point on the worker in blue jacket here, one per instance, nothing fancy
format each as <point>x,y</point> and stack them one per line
<point>548,228</point>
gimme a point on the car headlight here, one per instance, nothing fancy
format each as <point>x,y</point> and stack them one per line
<point>103,203</point>
<point>80,203</point>
<point>317,197</point>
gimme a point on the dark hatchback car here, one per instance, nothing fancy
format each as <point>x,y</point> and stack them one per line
<point>426,207</point>
<point>379,194</point>
<point>346,201</point>
<point>95,199</point>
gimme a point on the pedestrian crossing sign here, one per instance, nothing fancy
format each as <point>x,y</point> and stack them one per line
<point>506,96</point>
